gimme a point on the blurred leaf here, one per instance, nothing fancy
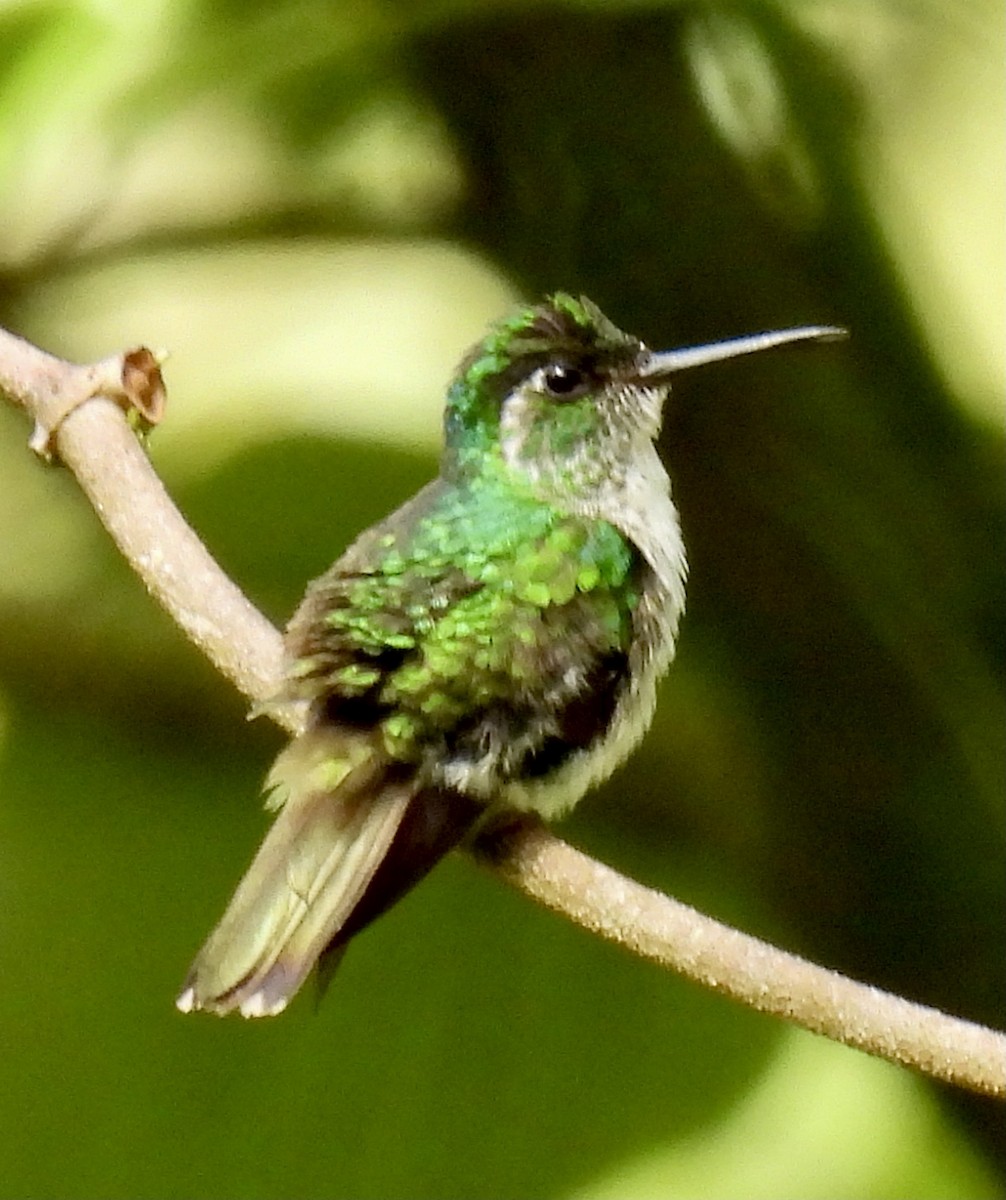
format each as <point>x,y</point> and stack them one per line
<point>820,1123</point>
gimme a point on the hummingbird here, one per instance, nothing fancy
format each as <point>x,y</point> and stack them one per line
<point>491,648</point>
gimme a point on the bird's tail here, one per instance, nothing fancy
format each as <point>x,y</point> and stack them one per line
<point>343,805</point>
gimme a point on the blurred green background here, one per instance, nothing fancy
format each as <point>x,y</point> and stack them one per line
<point>316,207</point>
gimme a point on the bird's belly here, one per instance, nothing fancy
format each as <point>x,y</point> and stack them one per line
<point>554,794</point>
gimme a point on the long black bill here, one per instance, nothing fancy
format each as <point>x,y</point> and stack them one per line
<point>669,362</point>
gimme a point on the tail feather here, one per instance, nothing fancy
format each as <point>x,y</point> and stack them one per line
<point>309,875</point>
<point>435,822</point>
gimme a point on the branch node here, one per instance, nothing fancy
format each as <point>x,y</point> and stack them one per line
<point>132,380</point>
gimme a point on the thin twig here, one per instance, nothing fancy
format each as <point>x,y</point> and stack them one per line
<point>762,976</point>
<point>78,414</point>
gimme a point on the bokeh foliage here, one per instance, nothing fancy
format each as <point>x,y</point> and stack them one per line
<point>317,207</point>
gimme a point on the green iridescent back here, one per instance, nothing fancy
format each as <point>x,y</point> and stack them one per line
<point>473,615</point>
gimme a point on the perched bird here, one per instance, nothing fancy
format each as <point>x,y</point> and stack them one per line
<point>493,646</point>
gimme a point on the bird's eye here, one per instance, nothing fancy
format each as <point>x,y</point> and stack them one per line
<point>563,381</point>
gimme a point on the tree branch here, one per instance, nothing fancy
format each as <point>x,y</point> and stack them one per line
<point>78,413</point>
